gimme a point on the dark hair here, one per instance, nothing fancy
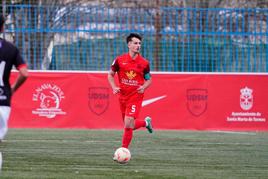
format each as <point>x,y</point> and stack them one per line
<point>2,21</point>
<point>131,35</point>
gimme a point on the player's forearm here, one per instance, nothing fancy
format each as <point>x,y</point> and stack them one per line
<point>147,83</point>
<point>116,89</point>
<point>23,75</point>
<point>20,80</point>
<point>111,81</point>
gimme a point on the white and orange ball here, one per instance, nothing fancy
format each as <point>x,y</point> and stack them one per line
<point>122,155</point>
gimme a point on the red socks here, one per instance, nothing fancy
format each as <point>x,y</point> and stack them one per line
<point>127,136</point>
<point>139,124</point>
<point>128,132</point>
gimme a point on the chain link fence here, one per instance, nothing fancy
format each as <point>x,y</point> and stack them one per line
<point>79,37</point>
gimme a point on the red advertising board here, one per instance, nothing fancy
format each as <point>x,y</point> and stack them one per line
<point>184,101</point>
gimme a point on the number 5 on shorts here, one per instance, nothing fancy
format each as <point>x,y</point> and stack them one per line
<point>133,108</point>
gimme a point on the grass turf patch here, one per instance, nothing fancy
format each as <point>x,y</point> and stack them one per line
<point>58,153</point>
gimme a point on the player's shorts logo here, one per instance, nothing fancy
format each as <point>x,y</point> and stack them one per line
<point>98,99</point>
<point>197,101</point>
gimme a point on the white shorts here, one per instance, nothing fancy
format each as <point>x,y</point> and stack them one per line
<point>4,116</point>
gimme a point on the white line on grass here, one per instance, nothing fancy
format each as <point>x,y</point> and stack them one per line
<point>235,132</point>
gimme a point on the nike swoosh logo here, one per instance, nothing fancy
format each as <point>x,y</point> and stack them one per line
<point>150,101</point>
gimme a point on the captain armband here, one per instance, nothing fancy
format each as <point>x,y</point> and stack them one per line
<point>147,76</point>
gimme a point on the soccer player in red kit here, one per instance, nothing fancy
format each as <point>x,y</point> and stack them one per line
<point>134,78</point>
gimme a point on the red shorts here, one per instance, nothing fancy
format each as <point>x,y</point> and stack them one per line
<point>131,105</point>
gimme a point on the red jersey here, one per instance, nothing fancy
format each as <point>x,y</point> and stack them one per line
<point>131,72</point>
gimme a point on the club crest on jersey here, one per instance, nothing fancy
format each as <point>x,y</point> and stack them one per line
<point>246,98</point>
<point>98,99</point>
<point>197,101</point>
<point>131,74</point>
<point>49,97</point>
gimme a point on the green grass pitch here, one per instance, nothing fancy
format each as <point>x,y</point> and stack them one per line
<point>75,154</point>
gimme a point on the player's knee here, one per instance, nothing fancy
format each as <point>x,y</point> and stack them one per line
<point>129,122</point>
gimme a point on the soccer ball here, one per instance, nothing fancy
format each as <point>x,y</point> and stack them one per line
<point>122,155</point>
